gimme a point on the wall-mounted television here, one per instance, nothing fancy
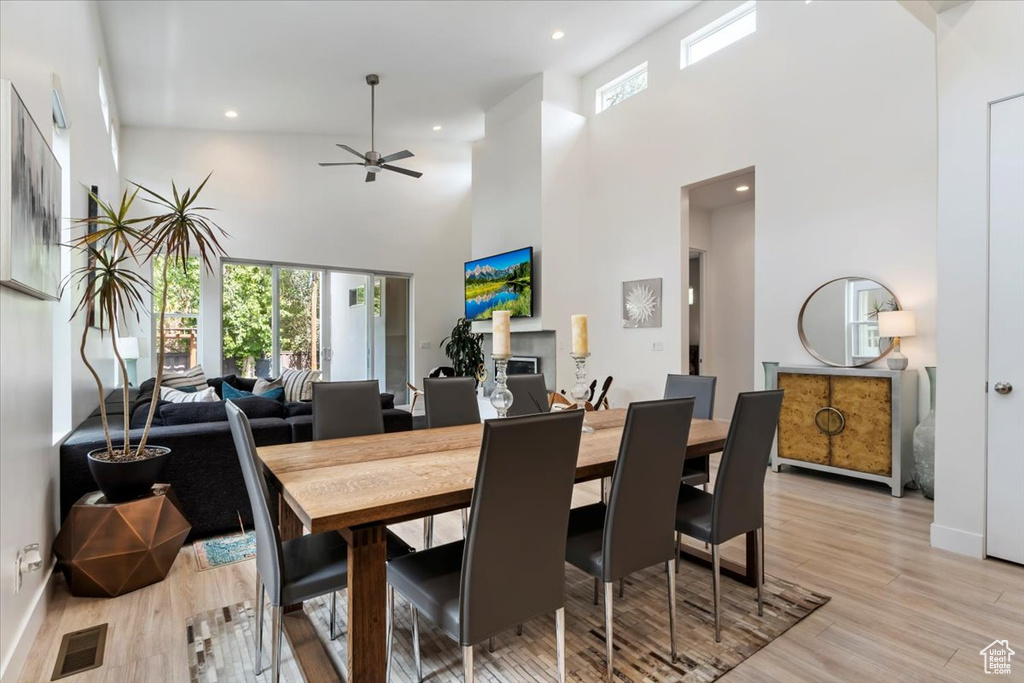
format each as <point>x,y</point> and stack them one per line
<point>502,282</point>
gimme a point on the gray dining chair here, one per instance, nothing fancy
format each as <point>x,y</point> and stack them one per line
<point>511,566</point>
<point>343,409</point>
<point>696,471</point>
<point>292,571</point>
<point>529,395</point>
<point>737,505</point>
<point>449,402</point>
<point>635,529</point>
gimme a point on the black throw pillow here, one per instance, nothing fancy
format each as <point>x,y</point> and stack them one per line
<point>217,384</point>
<point>299,408</point>
<point>193,413</point>
<point>256,407</point>
<point>141,411</point>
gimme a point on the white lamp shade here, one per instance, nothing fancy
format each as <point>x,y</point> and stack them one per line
<point>896,324</point>
<point>128,347</point>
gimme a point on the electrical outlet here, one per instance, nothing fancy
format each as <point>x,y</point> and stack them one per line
<point>424,344</point>
<point>658,346</point>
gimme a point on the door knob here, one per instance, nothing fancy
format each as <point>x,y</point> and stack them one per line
<point>1003,388</point>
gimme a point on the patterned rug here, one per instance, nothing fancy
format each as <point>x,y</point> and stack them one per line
<point>221,643</point>
<point>222,550</point>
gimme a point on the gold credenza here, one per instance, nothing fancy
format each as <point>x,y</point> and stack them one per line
<point>852,421</point>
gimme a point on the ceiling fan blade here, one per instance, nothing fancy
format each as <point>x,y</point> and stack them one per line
<point>370,177</point>
<point>403,171</point>
<point>404,154</point>
<point>345,163</point>
<point>349,149</point>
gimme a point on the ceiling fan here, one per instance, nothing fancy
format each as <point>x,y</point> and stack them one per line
<point>372,160</point>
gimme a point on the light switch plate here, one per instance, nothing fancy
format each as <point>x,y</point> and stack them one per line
<point>424,344</point>
<point>658,346</point>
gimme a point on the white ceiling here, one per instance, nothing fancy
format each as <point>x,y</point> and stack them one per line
<point>300,66</point>
<point>722,192</point>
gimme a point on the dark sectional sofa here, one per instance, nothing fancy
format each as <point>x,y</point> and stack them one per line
<point>203,469</point>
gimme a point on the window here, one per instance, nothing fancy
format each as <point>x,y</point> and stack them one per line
<point>622,88</point>
<point>104,103</point>
<point>247,320</point>
<point>720,33</point>
<point>181,320</point>
<point>357,297</point>
<point>113,149</point>
<point>864,299</point>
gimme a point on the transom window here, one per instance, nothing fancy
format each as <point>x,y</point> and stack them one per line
<point>722,32</point>
<point>621,88</point>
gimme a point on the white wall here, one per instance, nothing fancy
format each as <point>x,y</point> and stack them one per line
<point>278,205</point>
<point>730,304</point>
<point>980,59</point>
<point>834,103</point>
<point>37,40</point>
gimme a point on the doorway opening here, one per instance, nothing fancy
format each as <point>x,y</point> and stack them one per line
<point>718,260</point>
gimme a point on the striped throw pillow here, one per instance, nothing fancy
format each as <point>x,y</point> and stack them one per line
<point>298,384</point>
<point>193,377</point>
<point>174,396</point>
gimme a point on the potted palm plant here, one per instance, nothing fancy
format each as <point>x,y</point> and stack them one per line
<point>110,283</point>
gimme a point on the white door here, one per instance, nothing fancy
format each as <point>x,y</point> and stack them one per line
<point>1005,533</point>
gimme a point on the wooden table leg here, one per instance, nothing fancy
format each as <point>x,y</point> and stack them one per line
<point>367,604</point>
<point>291,527</point>
<point>744,574</point>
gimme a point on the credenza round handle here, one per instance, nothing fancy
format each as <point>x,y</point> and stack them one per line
<point>829,420</point>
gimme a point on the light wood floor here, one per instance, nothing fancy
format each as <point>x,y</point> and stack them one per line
<point>900,610</point>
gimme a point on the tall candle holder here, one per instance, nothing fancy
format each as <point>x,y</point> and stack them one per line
<point>501,397</point>
<point>579,390</point>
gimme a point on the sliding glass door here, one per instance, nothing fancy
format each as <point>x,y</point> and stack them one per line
<point>347,325</point>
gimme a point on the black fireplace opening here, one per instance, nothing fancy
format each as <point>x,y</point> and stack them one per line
<point>523,365</point>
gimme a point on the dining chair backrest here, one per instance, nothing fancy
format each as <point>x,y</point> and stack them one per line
<point>640,520</point>
<point>529,395</point>
<point>738,505</point>
<point>342,409</point>
<point>450,401</point>
<point>513,565</point>
<point>700,387</point>
<point>268,539</point>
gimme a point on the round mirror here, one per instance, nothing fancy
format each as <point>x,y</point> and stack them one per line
<point>838,322</point>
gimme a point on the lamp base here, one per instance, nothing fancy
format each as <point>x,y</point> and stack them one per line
<point>896,360</point>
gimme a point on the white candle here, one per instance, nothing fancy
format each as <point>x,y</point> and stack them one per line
<point>580,343</point>
<point>502,333</point>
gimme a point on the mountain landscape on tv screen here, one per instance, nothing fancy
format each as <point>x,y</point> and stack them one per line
<point>500,283</point>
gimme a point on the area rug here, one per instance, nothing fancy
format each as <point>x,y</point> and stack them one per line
<point>221,642</point>
<point>222,550</point>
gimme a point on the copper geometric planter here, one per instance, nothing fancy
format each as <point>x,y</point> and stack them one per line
<point>109,549</point>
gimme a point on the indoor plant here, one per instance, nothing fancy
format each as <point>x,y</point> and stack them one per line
<point>465,349</point>
<point>115,248</point>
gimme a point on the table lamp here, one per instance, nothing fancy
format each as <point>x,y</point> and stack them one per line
<point>129,350</point>
<point>894,325</point>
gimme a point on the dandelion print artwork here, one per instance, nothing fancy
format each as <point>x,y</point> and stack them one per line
<point>641,303</point>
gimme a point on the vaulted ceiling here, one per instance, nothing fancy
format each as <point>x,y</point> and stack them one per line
<point>300,66</point>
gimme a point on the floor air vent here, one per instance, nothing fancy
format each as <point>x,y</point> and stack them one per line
<point>80,651</point>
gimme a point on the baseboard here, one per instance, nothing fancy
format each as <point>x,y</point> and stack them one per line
<point>958,541</point>
<point>10,669</point>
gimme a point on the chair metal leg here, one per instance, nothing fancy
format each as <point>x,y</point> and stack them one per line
<point>560,642</point>
<point>622,587</point>
<point>467,663</point>
<point>609,595</point>
<point>519,630</point>
<point>759,552</point>
<point>428,532</point>
<point>597,590</point>
<point>490,644</point>
<point>705,486</point>
<point>465,521</point>
<point>277,626</point>
<point>260,602</point>
<point>716,588</point>
<point>671,570</point>
<point>679,549</point>
<point>391,630</point>
<point>416,641</point>
<point>334,614</point>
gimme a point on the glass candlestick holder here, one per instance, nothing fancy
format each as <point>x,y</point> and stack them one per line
<point>579,390</point>
<point>501,397</point>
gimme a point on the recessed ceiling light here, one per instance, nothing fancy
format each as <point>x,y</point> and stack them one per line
<point>437,127</point>
<point>231,114</point>
<point>743,188</point>
<point>558,35</point>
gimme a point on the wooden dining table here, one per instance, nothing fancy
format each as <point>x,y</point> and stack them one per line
<point>359,485</point>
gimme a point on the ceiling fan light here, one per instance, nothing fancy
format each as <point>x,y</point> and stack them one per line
<point>374,169</point>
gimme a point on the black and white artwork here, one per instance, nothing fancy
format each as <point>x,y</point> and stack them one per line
<point>641,303</point>
<point>30,202</point>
